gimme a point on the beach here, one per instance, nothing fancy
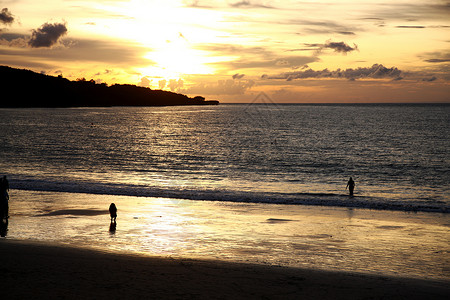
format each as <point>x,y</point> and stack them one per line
<point>60,245</point>
<point>229,201</point>
<point>36,270</point>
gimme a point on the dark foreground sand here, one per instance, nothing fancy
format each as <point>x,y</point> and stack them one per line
<point>36,271</point>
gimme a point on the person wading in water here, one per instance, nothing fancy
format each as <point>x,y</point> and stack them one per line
<point>350,186</point>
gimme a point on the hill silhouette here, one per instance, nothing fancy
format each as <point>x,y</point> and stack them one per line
<point>26,88</point>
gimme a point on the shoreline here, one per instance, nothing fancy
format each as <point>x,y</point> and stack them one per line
<point>412,245</point>
<point>38,270</point>
<point>337,200</point>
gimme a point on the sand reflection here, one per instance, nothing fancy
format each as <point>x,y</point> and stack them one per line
<point>378,242</point>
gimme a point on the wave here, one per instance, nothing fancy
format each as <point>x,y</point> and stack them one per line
<point>316,199</point>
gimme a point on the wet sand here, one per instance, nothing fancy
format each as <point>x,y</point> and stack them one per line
<point>37,270</point>
<point>379,243</point>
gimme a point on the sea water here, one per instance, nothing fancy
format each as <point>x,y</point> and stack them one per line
<point>286,154</point>
<point>252,183</point>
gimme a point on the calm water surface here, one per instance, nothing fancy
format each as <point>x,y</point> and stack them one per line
<point>397,154</point>
<point>258,165</point>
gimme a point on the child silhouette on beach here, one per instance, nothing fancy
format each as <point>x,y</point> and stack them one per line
<point>113,212</point>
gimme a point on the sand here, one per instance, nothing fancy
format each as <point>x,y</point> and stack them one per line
<point>37,270</point>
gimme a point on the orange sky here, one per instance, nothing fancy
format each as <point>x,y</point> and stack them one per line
<point>295,51</point>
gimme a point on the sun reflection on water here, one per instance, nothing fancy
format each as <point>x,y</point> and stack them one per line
<point>377,242</point>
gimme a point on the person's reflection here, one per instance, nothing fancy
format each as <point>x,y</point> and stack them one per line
<point>350,213</point>
<point>112,227</point>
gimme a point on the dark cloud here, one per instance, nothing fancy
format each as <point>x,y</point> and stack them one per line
<point>14,40</point>
<point>410,26</point>
<point>373,19</point>
<point>238,76</point>
<point>6,17</point>
<point>11,36</point>
<point>299,49</point>
<point>346,32</point>
<point>430,79</point>
<point>377,71</point>
<point>339,47</point>
<point>436,57</point>
<point>47,35</point>
<point>437,60</point>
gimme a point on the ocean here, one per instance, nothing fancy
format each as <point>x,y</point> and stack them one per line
<point>250,183</point>
<point>258,153</point>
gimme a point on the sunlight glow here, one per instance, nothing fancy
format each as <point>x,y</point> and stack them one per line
<point>203,42</point>
<point>177,58</point>
<point>170,31</point>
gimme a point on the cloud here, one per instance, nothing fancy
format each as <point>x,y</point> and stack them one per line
<point>233,50</point>
<point>410,26</point>
<point>162,84</point>
<point>437,60</point>
<point>145,82</point>
<point>175,85</point>
<point>197,4</point>
<point>339,47</point>
<point>322,27</point>
<point>281,62</point>
<point>221,87</point>
<point>14,40</point>
<point>47,35</point>
<point>346,32</point>
<point>254,57</point>
<point>436,57</point>
<point>377,71</point>
<point>430,79</point>
<point>103,53</point>
<point>249,4</point>
<point>438,10</point>
<point>6,17</point>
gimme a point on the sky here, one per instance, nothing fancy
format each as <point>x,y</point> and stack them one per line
<point>320,51</point>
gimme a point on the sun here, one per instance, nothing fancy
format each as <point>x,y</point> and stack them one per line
<point>172,34</point>
<point>177,57</point>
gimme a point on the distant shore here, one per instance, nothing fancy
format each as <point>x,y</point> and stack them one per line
<point>34,270</point>
<point>39,90</point>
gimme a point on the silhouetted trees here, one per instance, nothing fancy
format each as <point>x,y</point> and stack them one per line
<point>24,88</point>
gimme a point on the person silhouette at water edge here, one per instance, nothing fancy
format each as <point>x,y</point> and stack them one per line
<point>350,186</point>
<point>4,207</point>
<point>113,214</point>
<point>4,198</point>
